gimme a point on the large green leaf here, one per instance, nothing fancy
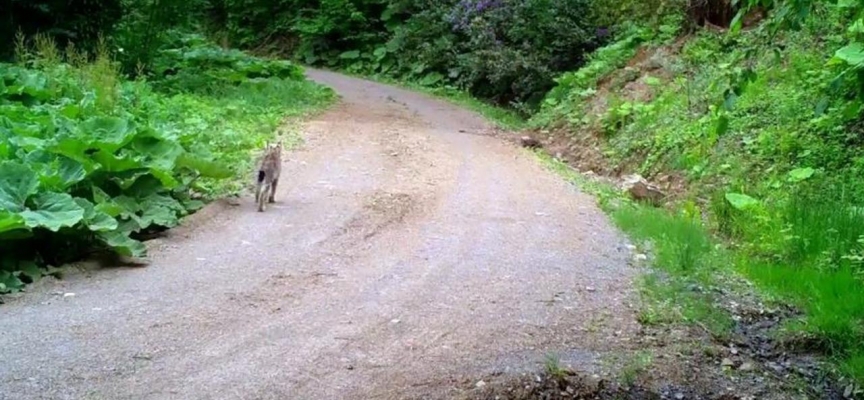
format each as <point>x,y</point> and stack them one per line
<point>9,282</point>
<point>108,133</point>
<point>110,208</point>
<point>10,221</point>
<point>206,168</point>
<point>129,210</point>
<point>161,154</point>
<point>53,211</point>
<point>113,163</point>
<point>852,54</point>
<point>123,244</point>
<point>77,150</point>
<point>160,216</point>
<point>741,201</point>
<point>62,173</point>
<point>17,183</point>
<point>96,219</point>
<point>431,79</point>
<point>801,174</point>
<point>159,200</point>
<point>161,210</point>
<point>166,178</point>
<point>350,55</point>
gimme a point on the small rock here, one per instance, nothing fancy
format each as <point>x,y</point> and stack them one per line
<point>529,142</point>
<point>679,396</point>
<point>394,321</point>
<point>480,384</point>
<point>640,257</point>
<point>349,367</point>
<point>776,367</point>
<point>848,392</point>
<point>590,288</point>
<point>747,366</point>
<point>695,288</point>
<point>727,362</point>
<point>68,294</point>
<point>640,190</point>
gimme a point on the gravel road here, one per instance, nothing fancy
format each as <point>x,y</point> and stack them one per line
<point>408,253</point>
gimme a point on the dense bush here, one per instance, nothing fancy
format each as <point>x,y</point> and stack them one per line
<point>195,64</point>
<point>79,22</point>
<point>516,48</point>
<point>507,51</point>
<point>148,26</point>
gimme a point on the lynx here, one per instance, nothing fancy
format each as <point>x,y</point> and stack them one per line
<point>268,175</point>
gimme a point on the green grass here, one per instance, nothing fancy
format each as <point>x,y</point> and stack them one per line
<point>686,266</point>
<point>815,263</point>
<point>803,240</point>
<point>553,366</point>
<point>635,367</point>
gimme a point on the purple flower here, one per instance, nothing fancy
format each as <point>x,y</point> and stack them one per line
<point>466,10</point>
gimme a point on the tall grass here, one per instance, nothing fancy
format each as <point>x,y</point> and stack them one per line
<point>680,246</point>
<point>818,268</point>
<point>825,227</point>
<point>686,263</point>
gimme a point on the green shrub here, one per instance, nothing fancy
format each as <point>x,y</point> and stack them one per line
<point>88,159</point>
<point>194,64</point>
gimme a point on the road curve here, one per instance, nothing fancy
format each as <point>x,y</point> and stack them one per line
<point>408,254</point>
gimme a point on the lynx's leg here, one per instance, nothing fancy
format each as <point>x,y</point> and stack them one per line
<point>262,198</point>
<point>259,186</point>
<point>273,184</point>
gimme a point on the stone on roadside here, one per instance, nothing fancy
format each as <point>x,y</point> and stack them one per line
<point>640,189</point>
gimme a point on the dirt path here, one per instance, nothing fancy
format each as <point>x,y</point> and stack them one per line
<point>404,258</point>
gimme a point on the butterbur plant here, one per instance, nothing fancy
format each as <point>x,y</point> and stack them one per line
<point>90,161</point>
